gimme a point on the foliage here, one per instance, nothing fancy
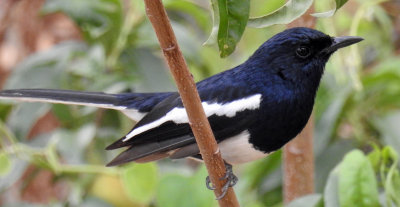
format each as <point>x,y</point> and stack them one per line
<point>357,105</point>
<point>354,181</point>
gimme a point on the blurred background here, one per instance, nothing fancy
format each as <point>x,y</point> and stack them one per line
<point>53,155</point>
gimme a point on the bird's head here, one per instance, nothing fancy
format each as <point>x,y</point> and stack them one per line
<point>299,54</point>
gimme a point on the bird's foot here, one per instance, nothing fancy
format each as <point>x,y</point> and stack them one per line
<point>229,176</point>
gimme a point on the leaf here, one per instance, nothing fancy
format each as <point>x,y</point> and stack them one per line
<point>198,13</point>
<point>150,68</point>
<point>99,20</point>
<point>212,39</point>
<point>388,126</point>
<point>233,16</point>
<point>338,5</point>
<point>78,140</point>
<point>331,191</point>
<point>44,69</point>
<point>327,123</point>
<point>140,181</point>
<point>260,170</point>
<point>5,109</point>
<point>357,182</point>
<point>187,191</point>
<point>113,194</point>
<point>375,158</point>
<point>284,15</point>
<point>328,160</point>
<point>94,202</point>
<point>312,200</point>
<point>63,113</point>
<point>24,116</point>
<point>391,183</point>
<point>179,196</point>
<point>17,169</point>
<point>202,196</point>
<point>5,164</point>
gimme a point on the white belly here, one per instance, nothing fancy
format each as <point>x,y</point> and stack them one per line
<point>237,149</point>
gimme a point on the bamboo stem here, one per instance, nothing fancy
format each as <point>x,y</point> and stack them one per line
<point>191,100</point>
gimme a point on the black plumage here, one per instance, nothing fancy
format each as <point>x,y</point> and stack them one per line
<point>254,108</point>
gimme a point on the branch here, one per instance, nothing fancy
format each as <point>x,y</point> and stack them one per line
<point>299,165</point>
<point>191,100</point>
<point>298,154</point>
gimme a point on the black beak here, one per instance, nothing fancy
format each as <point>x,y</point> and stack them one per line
<point>339,42</point>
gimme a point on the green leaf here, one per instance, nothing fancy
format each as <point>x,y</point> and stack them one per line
<point>178,190</point>
<point>94,202</point>
<point>198,13</point>
<point>233,16</point>
<point>357,182</point>
<point>17,169</point>
<point>328,160</point>
<point>44,69</point>
<point>79,140</point>
<point>391,183</point>
<point>140,181</point>
<point>150,68</point>
<point>179,196</point>
<point>284,15</point>
<point>202,196</point>
<point>260,170</point>
<point>24,116</point>
<point>5,164</point>
<point>329,120</point>
<point>5,109</point>
<point>212,39</point>
<point>375,158</point>
<point>389,155</point>
<point>63,113</point>
<point>99,20</point>
<point>388,126</point>
<point>338,5</point>
<point>312,200</point>
<point>331,191</point>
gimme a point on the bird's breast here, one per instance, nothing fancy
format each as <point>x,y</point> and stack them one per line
<point>238,150</point>
<point>279,122</point>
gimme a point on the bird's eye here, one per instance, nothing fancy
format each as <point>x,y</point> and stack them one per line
<point>303,51</point>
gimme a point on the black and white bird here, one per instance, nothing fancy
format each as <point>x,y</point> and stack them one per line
<point>254,108</point>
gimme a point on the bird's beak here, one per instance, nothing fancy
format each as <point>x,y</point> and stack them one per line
<point>339,42</point>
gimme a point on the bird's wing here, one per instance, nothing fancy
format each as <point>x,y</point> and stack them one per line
<point>165,131</point>
<point>134,105</point>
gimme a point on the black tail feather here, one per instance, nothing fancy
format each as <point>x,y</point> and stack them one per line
<point>96,99</point>
<point>143,150</point>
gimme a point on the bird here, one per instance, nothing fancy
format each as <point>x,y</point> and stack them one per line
<point>254,108</point>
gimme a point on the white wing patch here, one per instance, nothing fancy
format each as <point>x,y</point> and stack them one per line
<point>179,116</point>
<point>238,150</point>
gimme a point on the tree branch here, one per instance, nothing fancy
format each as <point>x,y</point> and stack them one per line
<point>191,100</point>
<point>299,165</point>
<point>298,154</point>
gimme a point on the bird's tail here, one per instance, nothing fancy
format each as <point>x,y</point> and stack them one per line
<point>134,105</point>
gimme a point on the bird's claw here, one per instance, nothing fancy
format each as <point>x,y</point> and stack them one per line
<point>209,185</point>
<point>231,181</point>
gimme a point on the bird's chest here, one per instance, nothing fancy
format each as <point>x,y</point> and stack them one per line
<point>238,149</point>
<point>279,122</point>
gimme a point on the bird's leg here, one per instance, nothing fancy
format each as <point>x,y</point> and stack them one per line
<point>229,176</point>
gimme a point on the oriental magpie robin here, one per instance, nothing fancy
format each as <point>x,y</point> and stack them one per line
<point>254,108</point>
